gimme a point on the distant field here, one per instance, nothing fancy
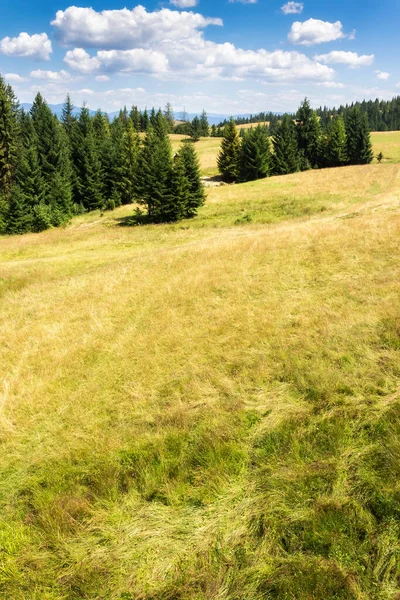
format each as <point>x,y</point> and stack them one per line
<point>249,125</point>
<point>209,409</point>
<point>208,149</point>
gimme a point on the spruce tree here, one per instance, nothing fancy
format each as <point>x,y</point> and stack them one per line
<point>134,116</point>
<point>129,164</point>
<point>309,135</point>
<point>286,156</point>
<point>154,174</point>
<point>255,155</point>
<point>195,129</point>
<point>188,157</point>
<point>178,197</point>
<point>169,117</point>
<point>55,166</point>
<point>9,145</point>
<point>335,153</point>
<point>20,216</point>
<point>359,146</point>
<point>204,125</point>
<point>228,158</point>
<point>88,176</point>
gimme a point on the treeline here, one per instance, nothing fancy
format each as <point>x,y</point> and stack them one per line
<point>297,145</point>
<point>52,169</point>
<point>382,115</point>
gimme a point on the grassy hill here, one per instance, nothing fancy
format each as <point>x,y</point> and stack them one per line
<point>209,409</point>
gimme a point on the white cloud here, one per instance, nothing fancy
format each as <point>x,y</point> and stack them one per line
<point>331,84</point>
<point>102,78</point>
<point>14,78</point>
<point>184,3</point>
<point>315,31</point>
<point>126,29</point>
<point>37,46</point>
<point>351,59</point>
<point>291,8</point>
<point>382,75</point>
<point>138,60</point>
<point>51,75</point>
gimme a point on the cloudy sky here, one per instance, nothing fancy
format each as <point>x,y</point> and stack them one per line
<point>227,56</point>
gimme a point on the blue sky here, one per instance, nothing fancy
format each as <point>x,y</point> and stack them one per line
<point>225,56</point>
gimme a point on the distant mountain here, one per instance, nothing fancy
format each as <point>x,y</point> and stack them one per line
<point>213,118</point>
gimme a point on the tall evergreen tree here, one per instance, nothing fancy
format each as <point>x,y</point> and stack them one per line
<point>169,117</point>
<point>286,155</point>
<point>359,145</point>
<point>154,174</point>
<point>188,157</point>
<point>129,164</point>
<point>309,135</point>
<point>255,155</point>
<point>335,152</point>
<point>134,116</point>
<point>204,125</point>
<point>55,167</point>
<point>195,129</point>
<point>228,158</point>
<point>88,176</point>
<point>9,142</point>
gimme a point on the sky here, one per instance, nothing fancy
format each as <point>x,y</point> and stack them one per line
<point>226,56</point>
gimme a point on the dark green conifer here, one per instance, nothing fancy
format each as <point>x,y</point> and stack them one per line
<point>359,146</point>
<point>9,144</point>
<point>309,135</point>
<point>286,156</point>
<point>129,164</point>
<point>255,155</point>
<point>228,158</point>
<point>195,129</point>
<point>204,125</point>
<point>336,143</point>
<point>187,155</point>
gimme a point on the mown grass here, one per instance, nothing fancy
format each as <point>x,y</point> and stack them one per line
<point>209,409</point>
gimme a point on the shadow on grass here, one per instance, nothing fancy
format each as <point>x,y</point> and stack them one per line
<point>134,221</point>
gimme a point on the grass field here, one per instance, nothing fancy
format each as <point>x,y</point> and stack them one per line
<point>209,409</point>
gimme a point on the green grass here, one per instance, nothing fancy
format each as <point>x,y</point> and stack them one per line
<point>209,409</point>
<point>387,142</point>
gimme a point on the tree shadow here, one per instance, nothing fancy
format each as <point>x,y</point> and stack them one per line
<point>134,220</point>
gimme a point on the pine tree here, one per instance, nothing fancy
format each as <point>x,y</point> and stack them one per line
<point>188,157</point>
<point>195,129</point>
<point>178,196</point>
<point>134,116</point>
<point>204,125</point>
<point>20,215</point>
<point>335,154</point>
<point>55,167</point>
<point>286,156</point>
<point>9,142</point>
<point>255,155</point>
<point>144,120</point>
<point>129,164</point>
<point>359,146</point>
<point>67,116</point>
<point>154,174</point>
<point>309,134</point>
<point>169,117</point>
<point>88,192</point>
<point>228,158</point>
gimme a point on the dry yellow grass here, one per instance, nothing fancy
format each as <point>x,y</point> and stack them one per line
<point>182,402</point>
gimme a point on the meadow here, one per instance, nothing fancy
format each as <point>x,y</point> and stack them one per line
<point>208,409</point>
<point>208,148</point>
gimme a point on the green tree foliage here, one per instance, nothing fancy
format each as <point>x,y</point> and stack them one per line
<point>195,129</point>
<point>204,125</point>
<point>309,135</point>
<point>54,162</point>
<point>359,146</point>
<point>196,198</point>
<point>286,157</point>
<point>129,164</point>
<point>229,156</point>
<point>88,190</point>
<point>9,140</point>
<point>335,151</point>
<point>169,117</point>
<point>255,155</point>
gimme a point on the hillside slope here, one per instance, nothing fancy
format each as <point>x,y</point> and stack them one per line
<point>210,409</point>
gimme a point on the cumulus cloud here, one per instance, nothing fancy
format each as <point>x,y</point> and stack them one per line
<point>14,78</point>
<point>291,8</point>
<point>102,78</point>
<point>37,46</point>
<point>351,59</point>
<point>315,31</point>
<point>51,75</point>
<point>332,84</point>
<point>184,3</point>
<point>383,75</point>
<point>138,60</point>
<point>126,29</point>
